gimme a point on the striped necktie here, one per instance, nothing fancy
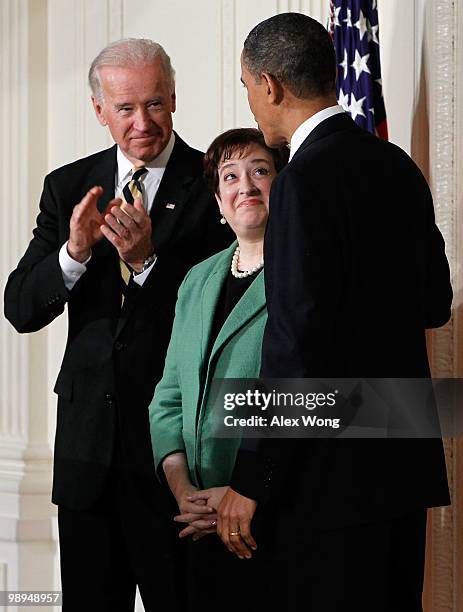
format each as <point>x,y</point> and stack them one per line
<point>132,189</point>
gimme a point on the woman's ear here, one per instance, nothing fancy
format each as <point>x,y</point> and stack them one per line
<point>219,202</point>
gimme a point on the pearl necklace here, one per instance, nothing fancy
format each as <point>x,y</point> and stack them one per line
<point>234,266</point>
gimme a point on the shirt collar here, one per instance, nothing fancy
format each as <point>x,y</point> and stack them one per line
<point>310,124</point>
<point>155,166</point>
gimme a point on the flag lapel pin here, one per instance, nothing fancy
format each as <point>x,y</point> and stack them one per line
<point>170,206</point>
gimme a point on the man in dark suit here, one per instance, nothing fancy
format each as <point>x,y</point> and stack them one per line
<point>355,271</point>
<point>118,271</point>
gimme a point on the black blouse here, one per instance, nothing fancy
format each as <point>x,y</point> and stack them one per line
<point>232,291</point>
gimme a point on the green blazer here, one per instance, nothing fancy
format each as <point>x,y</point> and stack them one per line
<point>180,413</point>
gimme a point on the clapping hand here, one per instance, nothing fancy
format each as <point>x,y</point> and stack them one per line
<point>128,228</point>
<point>85,225</point>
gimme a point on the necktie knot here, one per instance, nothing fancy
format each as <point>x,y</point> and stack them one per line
<point>138,173</point>
<point>132,188</point>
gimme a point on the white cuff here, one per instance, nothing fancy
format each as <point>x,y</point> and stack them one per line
<point>140,278</point>
<point>71,269</point>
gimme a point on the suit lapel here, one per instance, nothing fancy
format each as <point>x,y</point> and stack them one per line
<point>249,305</point>
<point>173,193</point>
<point>104,174</point>
<point>210,296</point>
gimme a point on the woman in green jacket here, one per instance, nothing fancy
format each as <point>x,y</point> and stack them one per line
<point>217,333</point>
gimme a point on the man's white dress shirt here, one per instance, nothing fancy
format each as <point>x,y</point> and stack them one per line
<point>309,125</point>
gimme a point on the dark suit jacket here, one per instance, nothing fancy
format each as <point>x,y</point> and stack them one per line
<point>113,358</point>
<point>355,270</point>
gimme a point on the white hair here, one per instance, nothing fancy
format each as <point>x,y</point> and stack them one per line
<point>128,52</point>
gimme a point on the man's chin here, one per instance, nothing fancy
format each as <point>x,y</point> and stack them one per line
<point>146,154</point>
<point>271,139</point>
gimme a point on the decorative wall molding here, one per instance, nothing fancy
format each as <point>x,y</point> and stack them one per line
<point>458,303</point>
<point>3,580</point>
<point>3,576</point>
<point>115,19</point>
<point>82,29</point>
<point>458,220</point>
<point>27,530</point>
<point>14,216</point>
<point>444,119</point>
<point>26,511</point>
<point>318,9</point>
<point>26,514</point>
<point>228,76</point>
<point>287,6</point>
<point>443,136</point>
<point>78,48</point>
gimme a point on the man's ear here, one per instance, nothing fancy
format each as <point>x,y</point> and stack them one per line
<point>173,102</point>
<point>99,111</point>
<point>275,90</point>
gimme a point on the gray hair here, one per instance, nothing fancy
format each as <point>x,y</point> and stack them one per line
<point>295,49</point>
<point>128,52</point>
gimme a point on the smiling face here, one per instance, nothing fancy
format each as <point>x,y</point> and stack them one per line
<point>244,189</point>
<point>137,106</point>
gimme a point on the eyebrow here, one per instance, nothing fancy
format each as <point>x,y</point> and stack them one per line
<point>120,105</point>
<point>256,160</point>
<point>241,79</point>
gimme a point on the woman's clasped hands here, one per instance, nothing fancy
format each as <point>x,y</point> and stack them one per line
<point>198,508</point>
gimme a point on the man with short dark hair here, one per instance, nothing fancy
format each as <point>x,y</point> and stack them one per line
<point>355,271</point>
<point>117,268</point>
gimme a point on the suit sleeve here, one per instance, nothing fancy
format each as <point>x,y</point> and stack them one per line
<point>305,276</point>
<point>35,292</point>
<point>438,294</point>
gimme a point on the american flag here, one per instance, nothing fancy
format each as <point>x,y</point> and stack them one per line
<point>354,28</point>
